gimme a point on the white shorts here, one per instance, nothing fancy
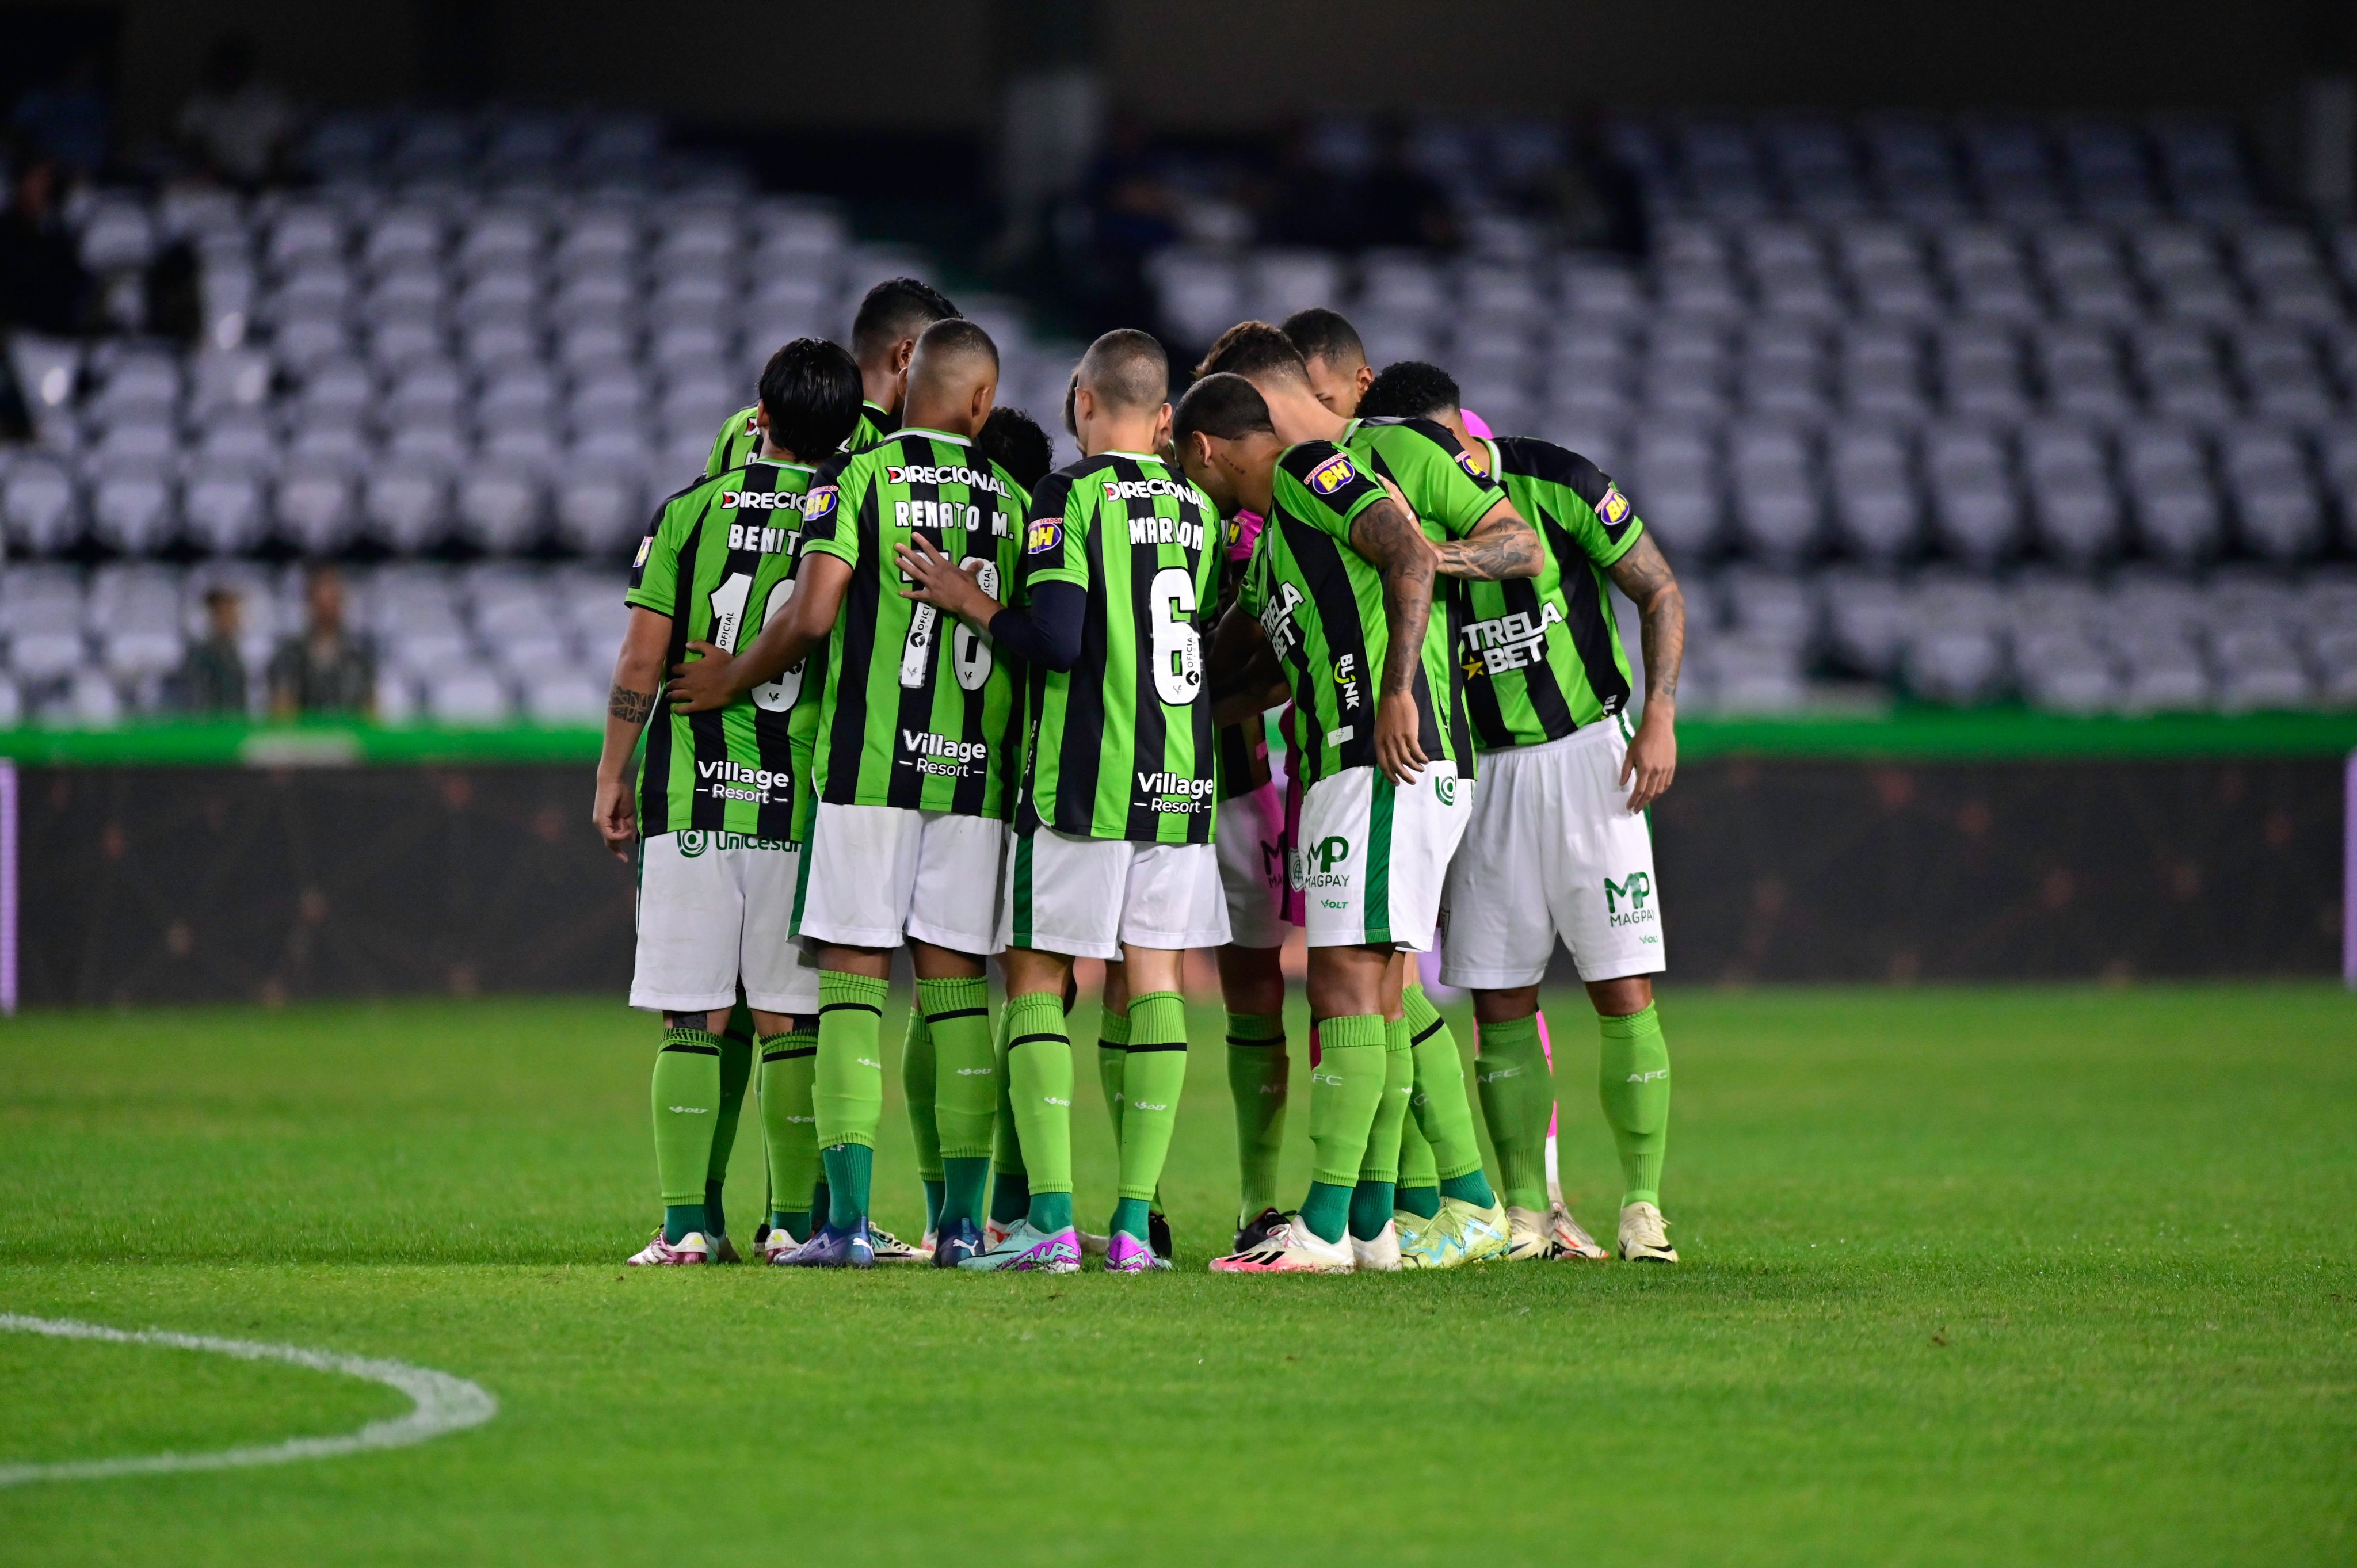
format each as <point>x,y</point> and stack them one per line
<point>714,908</point>
<point>1554,850</point>
<point>1248,833</point>
<point>1085,897</point>
<point>1373,854</point>
<point>879,873</point>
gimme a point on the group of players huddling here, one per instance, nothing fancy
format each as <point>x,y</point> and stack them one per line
<point>920,692</point>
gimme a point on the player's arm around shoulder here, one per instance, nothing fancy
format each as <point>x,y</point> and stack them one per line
<point>1641,571</point>
<point>1488,540</point>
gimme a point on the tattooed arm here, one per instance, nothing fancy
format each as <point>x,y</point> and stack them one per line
<point>1646,578</point>
<point>637,676</point>
<point>1387,535</point>
<point>1501,546</point>
<point>1243,674</point>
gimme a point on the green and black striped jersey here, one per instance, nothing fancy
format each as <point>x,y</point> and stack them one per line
<point>1543,656</point>
<point>1119,747</point>
<point>718,566</point>
<point>1320,603</point>
<point>915,714</point>
<point>1242,749</point>
<point>740,441</point>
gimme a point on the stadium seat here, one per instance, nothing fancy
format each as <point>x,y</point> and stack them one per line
<point>40,505</point>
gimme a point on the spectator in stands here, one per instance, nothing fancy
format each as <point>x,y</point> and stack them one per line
<point>237,125</point>
<point>211,680</point>
<point>327,669</point>
<point>70,120</point>
<point>44,287</point>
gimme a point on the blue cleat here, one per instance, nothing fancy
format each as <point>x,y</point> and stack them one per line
<point>958,1240</point>
<point>829,1248</point>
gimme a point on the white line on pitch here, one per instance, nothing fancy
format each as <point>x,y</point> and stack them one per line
<point>442,1404</point>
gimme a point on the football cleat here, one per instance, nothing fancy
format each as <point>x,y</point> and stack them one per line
<point>1380,1254</point>
<point>890,1248</point>
<point>829,1248</point>
<point>1253,1231</point>
<point>1026,1251</point>
<point>778,1245</point>
<point>1158,1233</point>
<point>724,1251</point>
<point>1572,1241</point>
<point>1461,1233</point>
<point>1092,1244</point>
<point>1126,1254</point>
<point>658,1253</point>
<point>993,1233</point>
<point>1408,1225</point>
<point>1527,1239</point>
<point>957,1242</point>
<point>1645,1235</point>
<point>1290,1248</point>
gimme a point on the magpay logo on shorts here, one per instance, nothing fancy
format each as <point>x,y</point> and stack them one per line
<point>1635,890</point>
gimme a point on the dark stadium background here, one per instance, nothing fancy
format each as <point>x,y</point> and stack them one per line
<point>192,866</point>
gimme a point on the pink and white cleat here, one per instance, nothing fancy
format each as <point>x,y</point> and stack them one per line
<point>1290,1248</point>
<point>691,1248</point>
<point>1126,1254</point>
<point>778,1245</point>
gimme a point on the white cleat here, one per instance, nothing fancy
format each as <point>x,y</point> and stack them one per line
<point>890,1248</point>
<point>658,1253</point>
<point>1572,1241</point>
<point>1527,1236</point>
<point>1645,1236</point>
<point>1380,1255</point>
<point>778,1245</point>
<point>1291,1248</point>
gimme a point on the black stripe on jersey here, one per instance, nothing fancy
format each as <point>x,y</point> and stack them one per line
<point>705,809</point>
<point>1083,741</point>
<point>1321,556</point>
<point>775,819</point>
<point>1583,613</point>
<point>1539,684</point>
<point>1554,465</point>
<point>1451,606</point>
<point>861,599</point>
<point>908,783</point>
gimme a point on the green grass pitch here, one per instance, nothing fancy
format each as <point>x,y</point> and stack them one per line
<point>1972,1277</point>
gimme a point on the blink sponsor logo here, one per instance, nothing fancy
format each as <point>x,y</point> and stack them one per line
<point>734,781</point>
<point>938,754</point>
<point>1174,792</point>
<point>1508,642</point>
<point>1346,681</point>
<point>923,474</point>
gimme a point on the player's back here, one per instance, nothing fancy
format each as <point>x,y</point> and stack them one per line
<point>1542,655</point>
<point>914,714</point>
<point>1120,745</point>
<point>717,565</point>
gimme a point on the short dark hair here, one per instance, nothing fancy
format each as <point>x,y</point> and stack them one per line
<point>1323,334</point>
<point>1223,406</point>
<point>811,391</point>
<point>1071,392</point>
<point>894,309</point>
<point>1013,439</point>
<point>1253,348</point>
<point>1128,369</point>
<point>958,338</point>
<point>1409,390</point>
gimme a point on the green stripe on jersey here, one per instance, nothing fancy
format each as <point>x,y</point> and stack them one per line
<point>1321,603</point>
<point>718,566</point>
<point>1119,745</point>
<point>1543,656</point>
<point>740,441</point>
<point>916,713</point>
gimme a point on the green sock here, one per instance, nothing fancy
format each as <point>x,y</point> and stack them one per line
<point>1633,1081</point>
<point>736,1071</point>
<point>1112,1064</point>
<point>788,1131</point>
<point>1010,1188</point>
<point>1517,1098</point>
<point>849,1095</point>
<point>1040,1088</point>
<point>1346,1089</point>
<point>965,1088</point>
<point>1441,1108</point>
<point>1051,1211</point>
<point>1258,1071</point>
<point>1370,1200</point>
<point>685,1097</point>
<point>850,1171</point>
<point>917,1089</point>
<point>1151,1085</point>
<point>1419,1177</point>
